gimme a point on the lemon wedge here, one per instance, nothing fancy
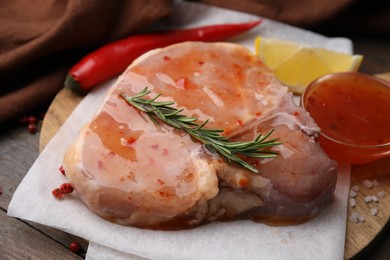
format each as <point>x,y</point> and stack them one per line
<point>296,65</point>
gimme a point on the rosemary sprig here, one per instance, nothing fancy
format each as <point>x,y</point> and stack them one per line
<point>211,138</point>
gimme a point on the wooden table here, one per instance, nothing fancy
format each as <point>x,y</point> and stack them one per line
<point>18,150</point>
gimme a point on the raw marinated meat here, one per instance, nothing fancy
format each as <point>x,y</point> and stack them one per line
<point>132,171</point>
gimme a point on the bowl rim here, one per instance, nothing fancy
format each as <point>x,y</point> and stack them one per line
<point>337,75</point>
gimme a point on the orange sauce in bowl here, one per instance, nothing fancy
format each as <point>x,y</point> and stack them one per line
<point>353,112</point>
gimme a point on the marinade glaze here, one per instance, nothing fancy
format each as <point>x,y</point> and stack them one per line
<point>133,172</point>
<point>352,110</point>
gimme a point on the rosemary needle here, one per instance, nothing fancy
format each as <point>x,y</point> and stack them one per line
<point>211,138</point>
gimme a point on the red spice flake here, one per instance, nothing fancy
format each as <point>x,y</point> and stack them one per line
<point>66,188</point>
<point>258,113</point>
<point>129,198</point>
<point>200,62</point>
<point>111,153</point>
<point>166,192</point>
<point>237,70</point>
<point>131,176</point>
<point>57,193</point>
<point>122,178</point>
<point>161,182</point>
<point>296,113</point>
<point>154,146</point>
<point>166,58</point>
<point>165,151</point>
<point>32,120</point>
<point>32,128</point>
<point>62,170</point>
<point>239,122</point>
<point>100,165</point>
<point>131,140</point>
<point>243,182</point>
<point>248,58</point>
<point>74,247</point>
<point>227,130</point>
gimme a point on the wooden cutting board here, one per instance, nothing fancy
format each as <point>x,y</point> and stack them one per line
<point>359,235</point>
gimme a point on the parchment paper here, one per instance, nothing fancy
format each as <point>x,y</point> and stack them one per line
<point>320,238</point>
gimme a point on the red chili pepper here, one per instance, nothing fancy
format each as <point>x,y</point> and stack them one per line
<point>112,59</point>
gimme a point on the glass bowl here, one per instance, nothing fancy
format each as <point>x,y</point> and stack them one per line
<point>353,111</point>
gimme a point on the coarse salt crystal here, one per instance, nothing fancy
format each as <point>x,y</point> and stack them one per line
<point>352,202</point>
<point>368,199</point>
<point>368,184</point>
<point>355,188</point>
<point>352,194</point>
<point>374,198</point>
<point>381,194</point>
<point>375,183</point>
<point>361,219</point>
<point>374,211</point>
<point>355,217</point>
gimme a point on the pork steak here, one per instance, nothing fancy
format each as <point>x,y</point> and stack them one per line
<point>131,171</point>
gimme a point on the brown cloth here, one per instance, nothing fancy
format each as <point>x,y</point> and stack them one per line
<point>296,12</point>
<point>330,17</point>
<point>41,39</point>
